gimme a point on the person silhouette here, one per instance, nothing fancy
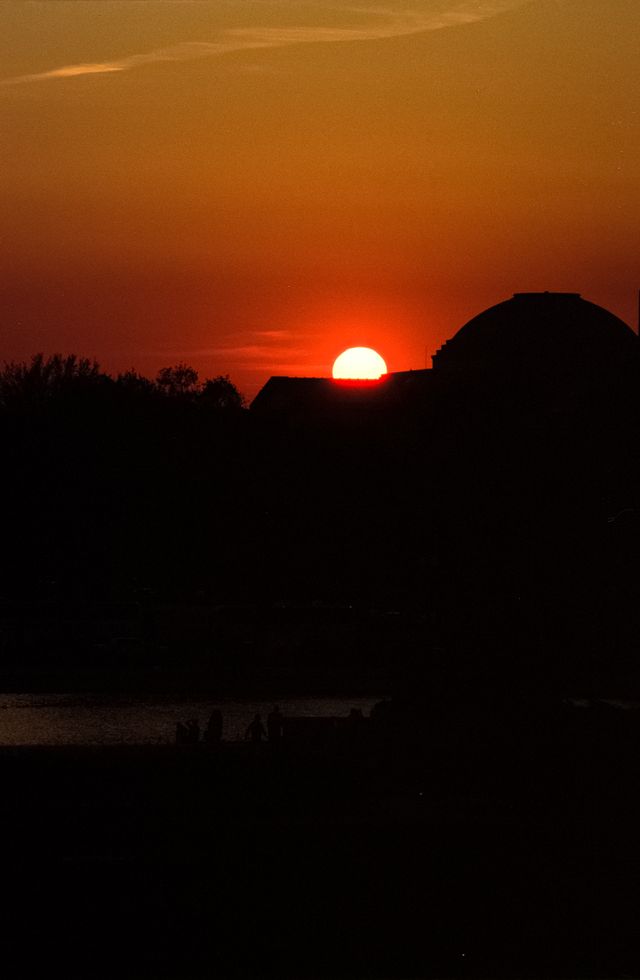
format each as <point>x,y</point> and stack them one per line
<point>274,726</point>
<point>213,731</point>
<point>182,733</point>
<point>193,730</point>
<point>354,726</point>
<point>255,730</point>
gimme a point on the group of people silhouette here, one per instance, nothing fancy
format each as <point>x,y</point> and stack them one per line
<point>188,733</point>
<point>256,731</point>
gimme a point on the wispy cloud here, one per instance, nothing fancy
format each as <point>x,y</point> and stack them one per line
<point>271,334</point>
<point>256,346</point>
<point>253,352</point>
<point>386,23</point>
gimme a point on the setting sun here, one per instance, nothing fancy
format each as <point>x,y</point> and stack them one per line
<point>359,363</point>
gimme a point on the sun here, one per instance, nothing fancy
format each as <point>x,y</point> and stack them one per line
<point>359,364</point>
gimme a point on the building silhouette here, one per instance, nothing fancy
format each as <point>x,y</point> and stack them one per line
<point>536,351</point>
<point>551,350</point>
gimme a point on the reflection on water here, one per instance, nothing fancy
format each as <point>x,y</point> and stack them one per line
<point>70,719</point>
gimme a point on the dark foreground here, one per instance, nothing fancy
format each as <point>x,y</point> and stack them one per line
<point>179,862</point>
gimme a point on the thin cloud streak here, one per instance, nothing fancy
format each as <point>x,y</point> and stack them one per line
<point>271,334</point>
<point>239,353</point>
<point>254,351</point>
<point>292,369</point>
<point>394,24</point>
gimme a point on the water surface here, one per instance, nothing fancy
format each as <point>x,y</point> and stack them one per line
<point>72,719</point>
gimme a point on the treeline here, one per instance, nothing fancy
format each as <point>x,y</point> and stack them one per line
<point>124,486</point>
<point>116,485</point>
<point>170,494</point>
<point>45,380</point>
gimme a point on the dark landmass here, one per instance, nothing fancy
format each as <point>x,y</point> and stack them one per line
<point>151,647</point>
<point>488,528</point>
<point>465,540</point>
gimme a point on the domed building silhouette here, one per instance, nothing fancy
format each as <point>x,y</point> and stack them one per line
<point>542,346</point>
<point>492,477</point>
<point>535,330</point>
<point>543,351</point>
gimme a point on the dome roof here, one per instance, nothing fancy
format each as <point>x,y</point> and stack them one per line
<point>540,327</point>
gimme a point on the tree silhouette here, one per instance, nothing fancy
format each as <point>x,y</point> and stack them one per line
<point>179,381</point>
<point>135,384</point>
<point>45,377</point>
<point>221,394</point>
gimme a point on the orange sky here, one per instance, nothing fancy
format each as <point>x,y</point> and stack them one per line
<point>253,185</point>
